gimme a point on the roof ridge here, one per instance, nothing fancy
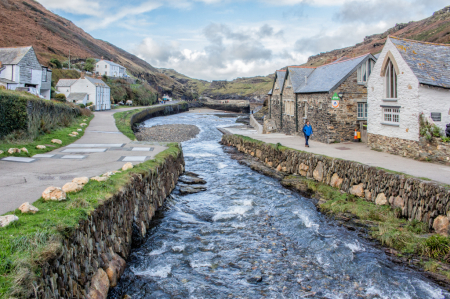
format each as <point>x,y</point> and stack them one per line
<point>341,61</point>
<point>281,70</point>
<point>19,47</point>
<point>417,41</point>
<point>303,67</point>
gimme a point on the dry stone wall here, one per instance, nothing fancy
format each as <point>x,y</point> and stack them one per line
<point>415,199</point>
<point>93,256</point>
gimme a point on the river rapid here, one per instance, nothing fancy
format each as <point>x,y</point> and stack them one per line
<point>249,237</point>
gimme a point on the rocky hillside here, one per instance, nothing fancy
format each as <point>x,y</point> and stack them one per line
<point>435,29</point>
<point>26,22</point>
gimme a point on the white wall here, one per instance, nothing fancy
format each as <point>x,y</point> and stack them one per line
<point>64,90</point>
<point>36,78</point>
<point>434,99</point>
<point>7,72</point>
<point>85,86</point>
<point>408,99</point>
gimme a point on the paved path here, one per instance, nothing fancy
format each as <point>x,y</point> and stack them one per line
<point>102,148</point>
<point>358,152</point>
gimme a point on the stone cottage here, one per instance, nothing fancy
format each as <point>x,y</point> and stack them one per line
<point>86,89</point>
<point>410,79</point>
<point>333,97</point>
<point>19,67</point>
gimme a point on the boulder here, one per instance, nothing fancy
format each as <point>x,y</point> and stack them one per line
<point>108,174</point>
<point>381,200</point>
<point>24,150</point>
<point>258,153</point>
<point>83,124</point>
<point>41,147</point>
<point>27,208</point>
<point>398,202</point>
<point>303,169</point>
<point>127,166</point>
<point>336,181</point>
<point>99,285</point>
<point>13,151</point>
<point>358,190</point>
<point>115,269</point>
<point>318,172</point>
<point>100,179</point>
<point>279,167</point>
<point>270,164</point>
<point>72,187</point>
<point>368,195</point>
<point>54,193</point>
<point>80,130</point>
<point>440,225</point>
<point>190,180</point>
<point>71,135</point>
<point>81,181</point>
<point>75,133</point>
<point>57,141</point>
<point>7,220</point>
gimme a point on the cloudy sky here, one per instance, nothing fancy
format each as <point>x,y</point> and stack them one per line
<point>226,39</point>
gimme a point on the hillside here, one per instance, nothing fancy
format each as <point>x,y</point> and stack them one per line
<point>26,22</point>
<point>435,29</point>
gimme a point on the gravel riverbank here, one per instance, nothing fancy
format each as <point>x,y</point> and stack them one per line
<point>168,133</point>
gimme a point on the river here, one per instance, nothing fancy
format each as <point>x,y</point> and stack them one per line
<point>249,237</point>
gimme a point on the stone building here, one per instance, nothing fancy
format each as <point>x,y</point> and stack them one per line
<point>333,97</point>
<point>410,79</point>
<point>19,67</point>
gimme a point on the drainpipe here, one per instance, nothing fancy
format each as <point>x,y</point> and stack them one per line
<point>296,114</point>
<point>281,114</point>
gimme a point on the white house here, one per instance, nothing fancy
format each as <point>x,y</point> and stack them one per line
<point>19,67</point>
<point>110,69</point>
<point>410,78</point>
<point>85,90</point>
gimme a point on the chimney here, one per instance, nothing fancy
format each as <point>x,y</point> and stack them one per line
<point>0,64</point>
<point>83,74</point>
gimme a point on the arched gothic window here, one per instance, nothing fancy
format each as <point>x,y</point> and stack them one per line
<point>391,81</point>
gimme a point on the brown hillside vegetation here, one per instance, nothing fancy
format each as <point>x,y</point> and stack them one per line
<point>26,22</point>
<point>435,29</point>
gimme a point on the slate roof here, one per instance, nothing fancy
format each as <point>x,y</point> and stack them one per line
<point>429,62</point>
<point>97,82</point>
<point>13,55</point>
<point>7,81</point>
<point>76,96</point>
<point>280,78</point>
<point>297,75</point>
<point>66,82</point>
<point>327,77</point>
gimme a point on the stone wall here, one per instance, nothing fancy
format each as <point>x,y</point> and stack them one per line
<point>93,256</point>
<point>434,150</point>
<point>157,111</point>
<point>414,198</point>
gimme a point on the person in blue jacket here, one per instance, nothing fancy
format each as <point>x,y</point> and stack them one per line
<point>308,131</point>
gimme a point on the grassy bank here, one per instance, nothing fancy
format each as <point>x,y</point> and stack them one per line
<point>33,239</point>
<point>61,134</point>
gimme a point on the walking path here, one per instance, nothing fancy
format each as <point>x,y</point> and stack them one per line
<point>353,151</point>
<point>102,148</point>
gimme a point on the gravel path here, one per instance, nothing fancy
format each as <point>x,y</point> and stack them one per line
<point>168,133</point>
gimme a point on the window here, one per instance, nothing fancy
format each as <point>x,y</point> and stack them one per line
<point>391,81</point>
<point>362,110</point>
<point>289,107</point>
<point>106,66</point>
<point>44,74</point>
<point>365,70</point>
<point>391,115</point>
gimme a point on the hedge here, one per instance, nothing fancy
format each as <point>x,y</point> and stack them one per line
<point>25,113</point>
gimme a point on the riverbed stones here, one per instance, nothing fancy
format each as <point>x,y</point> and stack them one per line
<point>441,225</point>
<point>381,200</point>
<point>303,169</point>
<point>318,172</point>
<point>27,208</point>
<point>41,147</point>
<point>72,187</point>
<point>56,141</point>
<point>127,166</point>
<point>81,181</point>
<point>336,181</point>
<point>358,190</point>
<point>99,285</point>
<point>115,269</point>
<point>54,194</point>
<point>7,220</point>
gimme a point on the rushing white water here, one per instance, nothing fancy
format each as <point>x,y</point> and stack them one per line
<point>248,237</point>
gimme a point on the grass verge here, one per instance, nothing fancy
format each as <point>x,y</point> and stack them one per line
<point>123,121</point>
<point>61,134</point>
<point>26,243</point>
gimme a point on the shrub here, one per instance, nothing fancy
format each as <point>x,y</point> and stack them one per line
<point>436,246</point>
<point>27,116</point>
<point>82,106</point>
<point>89,65</point>
<point>428,130</point>
<point>56,63</point>
<point>89,104</point>
<point>60,97</point>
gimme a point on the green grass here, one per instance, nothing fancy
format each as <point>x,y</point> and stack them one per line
<point>25,244</point>
<point>62,134</point>
<point>123,122</point>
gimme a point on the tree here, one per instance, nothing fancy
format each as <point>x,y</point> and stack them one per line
<point>55,63</point>
<point>60,97</point>
<point>89,66</point>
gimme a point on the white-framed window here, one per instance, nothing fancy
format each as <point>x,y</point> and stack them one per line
<point>365,70</point>
<point>391,81</point>
<point>289,107</point>
<point>362,110</point>
<point>44,74</point>
<point>391,115</point>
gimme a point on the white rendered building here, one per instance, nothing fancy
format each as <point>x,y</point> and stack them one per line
<point>110,69</point>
